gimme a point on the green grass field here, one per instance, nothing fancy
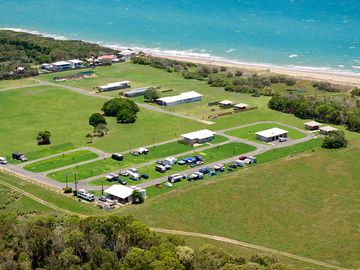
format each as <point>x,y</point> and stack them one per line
<point>210,155</point>
<point>249,132</point>
<point>65,114</point>
<point>16,83</point>
<point>60,161</point>
<point>301,212</point>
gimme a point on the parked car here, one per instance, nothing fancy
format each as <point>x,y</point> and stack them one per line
<point>199,163</point>
<point>182,162</point>
<point>135,153</point>
<point>103,199</point>
<point>117,157</point>
<point>122,181</point>
<point>233,166</point>
<point>145,176</point>
<point>168,184</point>
<point>133,170</point>
<point>199,158</point>
<point>199,175</point>
<point>19,156</point>
<point>134,176</point>
<point>192,165</point>
<point>175,178</point>
<point>160,168</point>
<point>124,173</point>
<point>171,160</point>
<point>85,195</point>
<point>143,151</point>
<point>159,185</point>
<point>204,170</point>
<point>282,139</point>
<point>240,163</point>
<point>243,157</point>
<point>212,173</point>
<point>219,168</point>
<point>3,161</point>
<point>250,160</point>
<point>111,177</point>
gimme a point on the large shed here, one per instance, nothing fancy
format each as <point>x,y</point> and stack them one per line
<point>201,136</point>
<point>312,125</point>
<point>327,129</point>
<point>272,134</point>
<point>122,194</point>
<point>186,97</point>
<point>114,86</point>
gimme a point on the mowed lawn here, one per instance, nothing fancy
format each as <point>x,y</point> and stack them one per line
<point>306,204</point>
<point>213,154</point>
<point>61,161</point>
<point>25,112</point>
<point>249,132</point>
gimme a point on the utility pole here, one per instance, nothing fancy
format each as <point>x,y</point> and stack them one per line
<point>76,187</point>
<point>66,179</point>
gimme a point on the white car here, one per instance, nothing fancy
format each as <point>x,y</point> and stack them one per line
<point>282,139</point>
<point>3,161</point>
<point>168,184</point>
<point>133,170</point>
<point>171,160</point>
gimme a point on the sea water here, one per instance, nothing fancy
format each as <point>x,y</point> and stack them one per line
<point>323,34</point>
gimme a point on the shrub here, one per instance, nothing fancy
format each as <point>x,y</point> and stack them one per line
<point>43,137</point>
<point>68,190</point>
<point>96,119</point>
<point>335,139</point>
<point>238,73</point>
<point>125,116</point>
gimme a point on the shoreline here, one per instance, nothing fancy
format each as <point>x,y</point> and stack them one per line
<point>347,78</point>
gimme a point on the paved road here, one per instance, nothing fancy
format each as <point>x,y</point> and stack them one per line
<point>248,245</point>
<point>260,148</point>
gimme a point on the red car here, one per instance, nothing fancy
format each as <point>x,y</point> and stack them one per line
<point>243,157</point>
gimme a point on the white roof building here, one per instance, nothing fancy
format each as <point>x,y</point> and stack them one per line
<point>114,86</point>
<point>185,97</point>
<point>200,136</point>
<point>119,191</point>
<point>241,105</point>
<point>61,63</point>
<point>75,61</point>
<point>325,130</point>
<point>272,132</point>
<point>226,102</point>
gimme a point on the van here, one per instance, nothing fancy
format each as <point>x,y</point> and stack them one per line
<point>3,161</point>
<point>239,163</point>
<point>19,156</point>
<point>171,160</point>
<point>175,178</point>
<point>134,176</point>
<point>160,168</point>
<point>117,157</point>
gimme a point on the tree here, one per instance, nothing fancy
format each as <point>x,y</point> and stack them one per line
<point>210,258</point>
<point>125,116</point>
<point>151,94</point>
<point>113,106</point>
<point>335,139</point>
<point>101,130</point>
<point>90,137</point>
<point>96,119</point>
<point>43,137</point>
<point>137,197</point>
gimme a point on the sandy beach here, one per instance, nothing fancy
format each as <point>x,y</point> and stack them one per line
<point>297,72</point>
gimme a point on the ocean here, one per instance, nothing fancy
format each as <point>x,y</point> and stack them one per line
<point>319,34</point>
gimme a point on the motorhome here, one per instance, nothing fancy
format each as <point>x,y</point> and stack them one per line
<point>82,194</point>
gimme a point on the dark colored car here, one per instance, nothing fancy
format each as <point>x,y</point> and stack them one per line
<point>182,162</point>
<point>233,166</point>
<point>145,176</point>
<point>117,157</point>
<point>204,170</point>
<point>199,158</point>
<point>243,157</point>
<point>122,181</point>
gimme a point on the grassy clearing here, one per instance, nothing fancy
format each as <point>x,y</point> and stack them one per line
<point>67,202</point>
<point>210,155</point>
<point>304,216</point>
<point>61,161</point>
<point>249,132</point>
<point>15,83</point>
<point>108,165</point>
<point>66,117</point>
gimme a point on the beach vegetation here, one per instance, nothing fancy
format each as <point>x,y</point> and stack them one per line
<point>355,92</point>
<point>332,110</point>
<point>18,49</point>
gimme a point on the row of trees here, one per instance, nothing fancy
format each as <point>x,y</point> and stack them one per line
<point>333,110</point>
<point>108,243</point>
